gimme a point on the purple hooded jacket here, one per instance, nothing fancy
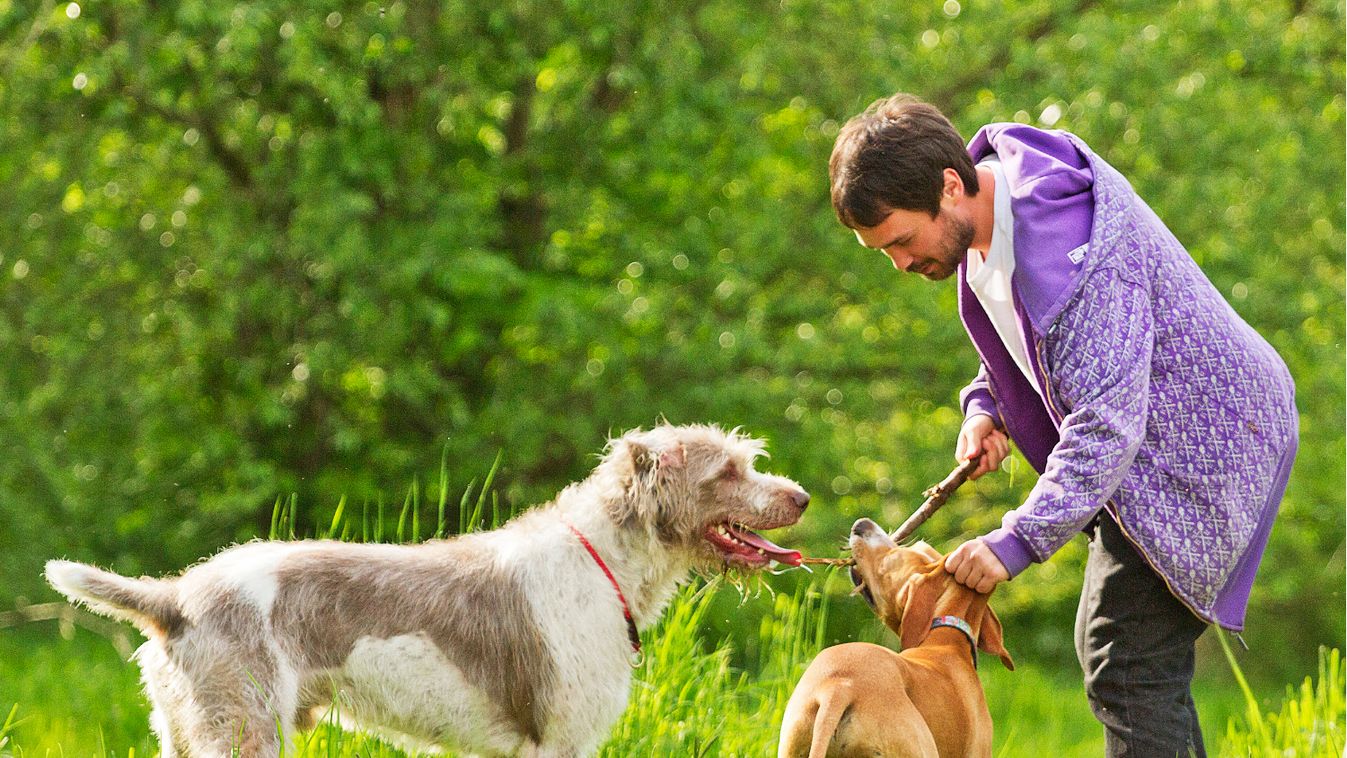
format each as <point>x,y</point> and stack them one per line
<point>1160,406</point>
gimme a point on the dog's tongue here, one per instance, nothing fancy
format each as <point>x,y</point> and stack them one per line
<point>771,549</point>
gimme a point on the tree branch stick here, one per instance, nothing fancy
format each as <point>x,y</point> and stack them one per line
<point>935,497</point>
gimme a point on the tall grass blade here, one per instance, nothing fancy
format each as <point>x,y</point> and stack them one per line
<point>1255,716</point>
<point>444,491</point>
<point>416,510</point>
<point>476,521</point>
<point>336,517</point>
<point>464,516</point>
<point>379,518</point>
<point>402,517</point>
<point>294,512</point>
<point>9,725</point>
<point>277,511</point>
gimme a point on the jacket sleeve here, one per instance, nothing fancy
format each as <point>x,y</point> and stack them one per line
<point>1098,357</point>
<point>977,398</point>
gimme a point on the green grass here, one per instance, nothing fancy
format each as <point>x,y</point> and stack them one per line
<point>75,697</point>
<point>1308,723</point>
<point>65,691</point>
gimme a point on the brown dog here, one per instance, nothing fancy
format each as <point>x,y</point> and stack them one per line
<point>859,699</point>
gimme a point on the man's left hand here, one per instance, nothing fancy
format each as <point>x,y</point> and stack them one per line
<point>976,567</point>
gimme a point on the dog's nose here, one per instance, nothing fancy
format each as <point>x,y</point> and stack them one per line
<point>801,499</point>
<point>863,526</point>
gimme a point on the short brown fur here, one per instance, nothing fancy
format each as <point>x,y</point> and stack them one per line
<point>859,699</point>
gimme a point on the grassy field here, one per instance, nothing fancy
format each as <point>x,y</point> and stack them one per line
<point>68,692</point>
<point>72,694</point>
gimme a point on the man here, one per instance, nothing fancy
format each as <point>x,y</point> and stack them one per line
<point>1161,424</point>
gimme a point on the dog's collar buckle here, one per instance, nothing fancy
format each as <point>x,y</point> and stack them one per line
<point>954,622</point>
<point>637,656</point>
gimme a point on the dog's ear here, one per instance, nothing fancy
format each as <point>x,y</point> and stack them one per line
<point>639,454</point>
<point>647,461</point>
<point>990,639</point>
<point>926,551</point>
<point>917,599</point>
<point>673,458</point>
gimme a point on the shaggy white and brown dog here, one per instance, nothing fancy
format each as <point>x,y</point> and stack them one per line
<point>510,642</point>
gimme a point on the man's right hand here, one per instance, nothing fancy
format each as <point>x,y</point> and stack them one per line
<point>980,437</point>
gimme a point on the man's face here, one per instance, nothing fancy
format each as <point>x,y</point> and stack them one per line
<point>917,243</point>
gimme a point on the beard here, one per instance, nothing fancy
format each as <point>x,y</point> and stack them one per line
<point>953,248</point>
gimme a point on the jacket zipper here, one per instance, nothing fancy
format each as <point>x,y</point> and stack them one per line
<point>1109,505</point>
<point>1112,508</point>
<point>1042,374</point>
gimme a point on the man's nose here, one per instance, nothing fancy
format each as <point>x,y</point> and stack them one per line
<point>900,261</point>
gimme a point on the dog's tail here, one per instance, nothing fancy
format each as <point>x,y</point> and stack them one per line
<point>832,706</point>
<point>150,604</point>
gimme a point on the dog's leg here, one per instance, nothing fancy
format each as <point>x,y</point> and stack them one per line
<point>159,723</point>
<point>166,690</point>
<point>221,695</point>
<point>227,731</point>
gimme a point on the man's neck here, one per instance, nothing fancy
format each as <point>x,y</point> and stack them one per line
<point>983,211</point>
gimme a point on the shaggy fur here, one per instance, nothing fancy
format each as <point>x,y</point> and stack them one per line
<point>510,642</point>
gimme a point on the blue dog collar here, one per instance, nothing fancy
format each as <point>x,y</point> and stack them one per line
<point>954,622</point>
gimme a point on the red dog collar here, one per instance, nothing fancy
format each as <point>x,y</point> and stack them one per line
<point>632,634</point>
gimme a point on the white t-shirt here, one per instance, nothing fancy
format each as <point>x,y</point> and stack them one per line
<point>990,279</point>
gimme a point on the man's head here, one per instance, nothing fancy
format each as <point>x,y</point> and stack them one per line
<point>893,157</point>
<point>897,171</point>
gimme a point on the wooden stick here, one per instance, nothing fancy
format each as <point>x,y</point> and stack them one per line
<point>935,497</point>
<point>828,561</point>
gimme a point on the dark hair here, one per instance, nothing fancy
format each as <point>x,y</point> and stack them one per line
<point>893,157</point>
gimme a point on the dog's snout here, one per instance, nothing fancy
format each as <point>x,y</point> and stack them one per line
<point>800,498</point>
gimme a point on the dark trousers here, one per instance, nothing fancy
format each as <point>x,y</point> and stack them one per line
<point>1136,643</point>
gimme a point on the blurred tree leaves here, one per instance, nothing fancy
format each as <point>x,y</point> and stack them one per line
<point>270,247</point>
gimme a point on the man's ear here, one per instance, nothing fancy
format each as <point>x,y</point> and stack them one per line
<point>951,185</point>
<point>921,597</point>
<point>990,638</point>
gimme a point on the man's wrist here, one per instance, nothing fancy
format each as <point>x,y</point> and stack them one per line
<point>1013,552</point>
<point>981,403</point>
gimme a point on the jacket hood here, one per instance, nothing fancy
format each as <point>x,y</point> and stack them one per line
<point>1052,184</point>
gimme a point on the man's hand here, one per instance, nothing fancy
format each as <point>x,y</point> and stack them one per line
<point>976,567</point>
<point>979,436</point>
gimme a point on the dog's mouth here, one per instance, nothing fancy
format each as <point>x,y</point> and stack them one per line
<point>741,546</point>
<point>861,588</point>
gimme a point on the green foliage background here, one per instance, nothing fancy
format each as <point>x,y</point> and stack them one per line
<point>273,247</point>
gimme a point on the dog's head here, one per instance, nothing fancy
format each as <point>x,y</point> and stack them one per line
<point>905,586</point>
<point>695,488</point>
